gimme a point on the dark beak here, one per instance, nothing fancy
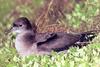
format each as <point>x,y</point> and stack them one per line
<point>8,31</point>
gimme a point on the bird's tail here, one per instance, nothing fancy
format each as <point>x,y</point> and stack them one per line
<point>88,36</point>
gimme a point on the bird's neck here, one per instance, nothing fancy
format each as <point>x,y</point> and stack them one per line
<point>24,41</point>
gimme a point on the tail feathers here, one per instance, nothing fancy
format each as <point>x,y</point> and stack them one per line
<point>88,36</point>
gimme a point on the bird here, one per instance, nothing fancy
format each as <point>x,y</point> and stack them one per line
<point>30,42</point>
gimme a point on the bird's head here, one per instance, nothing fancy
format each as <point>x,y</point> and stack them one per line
<point>22,24</point>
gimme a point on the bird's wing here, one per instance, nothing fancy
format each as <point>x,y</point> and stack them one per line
<point>61,42</point>
<point>42,38</point>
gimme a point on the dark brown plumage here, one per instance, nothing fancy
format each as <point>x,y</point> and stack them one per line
<point>28,41</point>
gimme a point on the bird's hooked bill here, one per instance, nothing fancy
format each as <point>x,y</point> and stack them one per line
<point>7,31</point>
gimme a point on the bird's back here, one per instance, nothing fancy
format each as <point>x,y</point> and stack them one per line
<point>60,42</point>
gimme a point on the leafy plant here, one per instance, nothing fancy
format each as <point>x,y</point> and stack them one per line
<point>84,12</point>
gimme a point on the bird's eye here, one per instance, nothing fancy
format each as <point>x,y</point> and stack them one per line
<point>20,25</point>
